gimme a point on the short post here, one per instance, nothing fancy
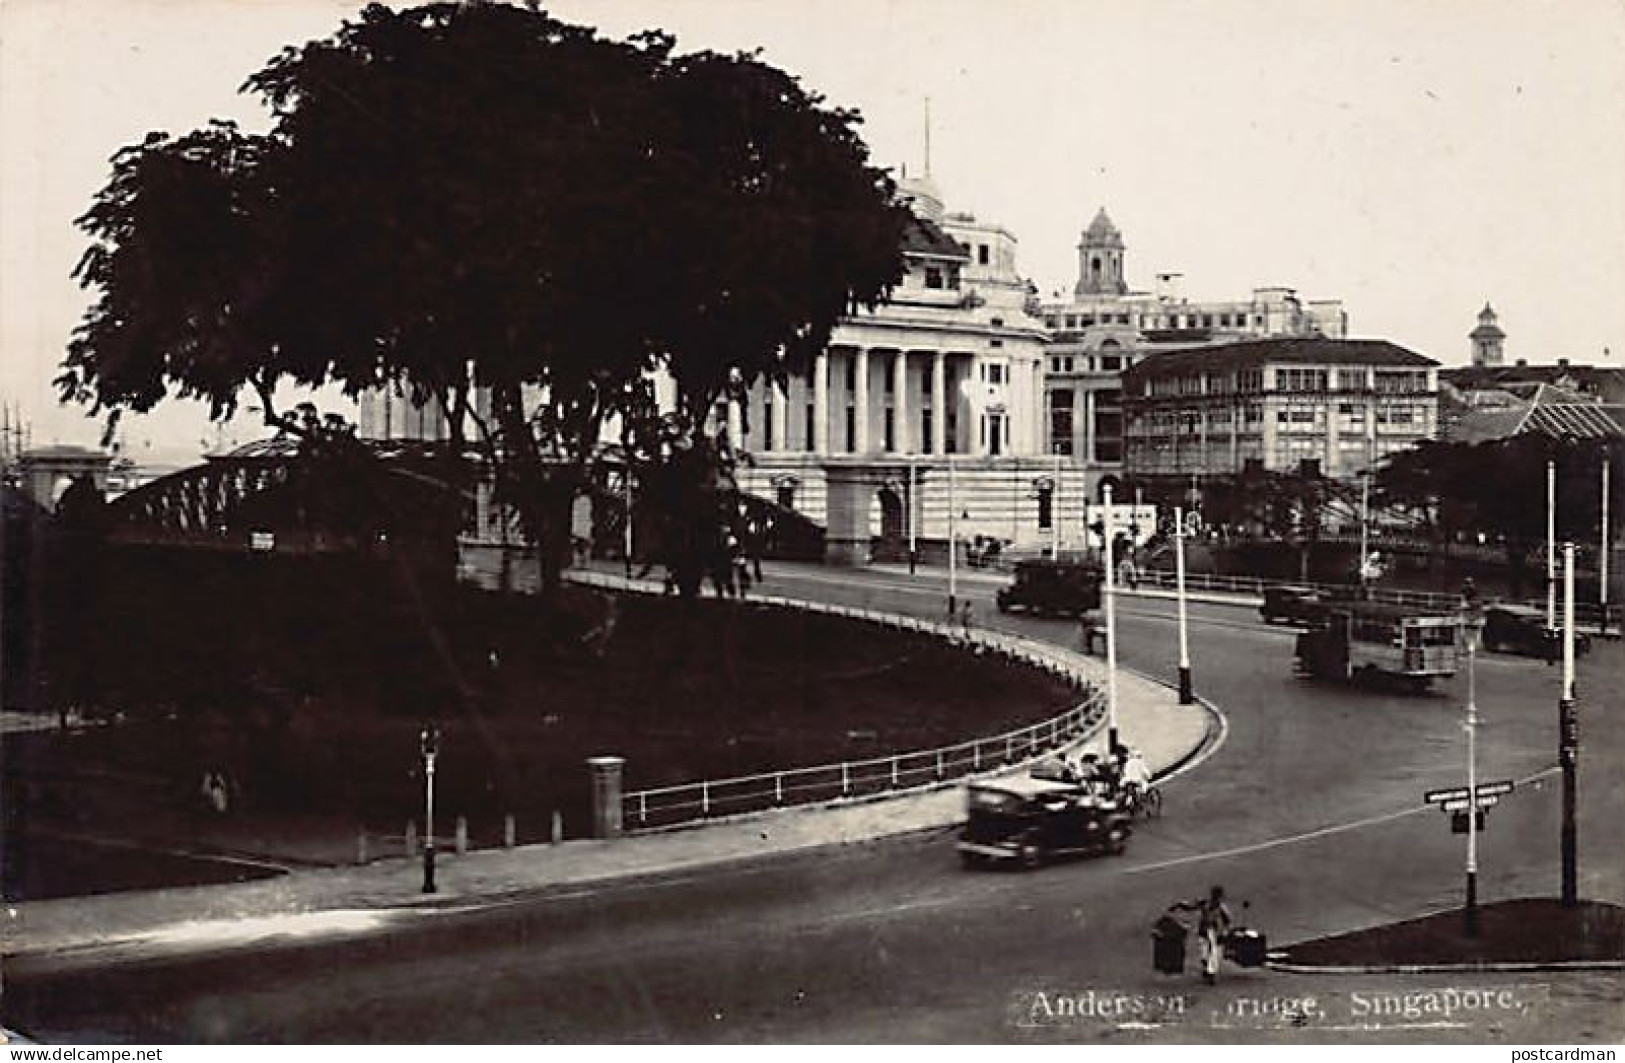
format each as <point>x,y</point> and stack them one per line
<point>411,837</point>
<point>361,846</point>
<point>555,832</point>
<point>509,833</point>
<point>462,835</point>
<point>606,796</point>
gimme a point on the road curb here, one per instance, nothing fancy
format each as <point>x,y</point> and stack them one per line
<point>1447,968</point>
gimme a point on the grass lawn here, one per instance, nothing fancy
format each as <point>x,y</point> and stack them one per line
<point>522,695</point>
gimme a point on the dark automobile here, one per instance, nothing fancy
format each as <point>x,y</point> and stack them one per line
<point>1522,629</point>
<point>1052,587</point>
<point>1031,821</point>
<point>1296,604</point>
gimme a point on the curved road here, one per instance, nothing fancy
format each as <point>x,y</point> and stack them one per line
<point>1310,811</point>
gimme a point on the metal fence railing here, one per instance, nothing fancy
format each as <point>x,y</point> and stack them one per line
<point>1586,614</point>
<point>669,806</point>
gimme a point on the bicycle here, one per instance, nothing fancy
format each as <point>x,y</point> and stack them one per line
<point>1147,803</point>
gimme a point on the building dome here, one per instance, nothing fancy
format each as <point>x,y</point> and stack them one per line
<point>1102,233</point>
<point>923,195</point>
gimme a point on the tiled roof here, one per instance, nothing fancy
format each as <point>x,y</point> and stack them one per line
<point>922,237</point>
<point>1309,350</point>
<point>1548,410</point>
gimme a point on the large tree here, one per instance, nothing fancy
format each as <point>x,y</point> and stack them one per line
<point>499,211</point>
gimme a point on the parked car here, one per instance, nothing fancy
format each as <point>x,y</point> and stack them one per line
<point>1522,629</point>
<point>1030,821</point>
<point>1300,605</point>
<point>1052,587</point>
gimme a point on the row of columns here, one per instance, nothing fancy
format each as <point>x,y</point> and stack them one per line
<point>902,425</point>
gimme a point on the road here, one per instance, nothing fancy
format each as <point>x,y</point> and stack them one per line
<point>1309,811</point>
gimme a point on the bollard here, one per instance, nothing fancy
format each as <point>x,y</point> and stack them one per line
<point>508,831</point>
<point>557,834</point>
<point>361,846</point>
<point>606,796</point>
<point>411,837</point>
<point>462,835</point>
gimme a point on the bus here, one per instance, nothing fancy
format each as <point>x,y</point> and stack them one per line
<point>1374,638</point>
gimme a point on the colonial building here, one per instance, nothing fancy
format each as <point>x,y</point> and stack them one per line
<point>1279,402</point>
<point>1487,339</point>
<point>1105,328</point>
<point>949,368</point>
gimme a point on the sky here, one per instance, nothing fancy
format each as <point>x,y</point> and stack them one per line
<point>1413,159</point>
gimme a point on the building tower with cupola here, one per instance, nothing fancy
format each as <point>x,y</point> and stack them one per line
<point>1487,338</point>
<point>1100,259</point>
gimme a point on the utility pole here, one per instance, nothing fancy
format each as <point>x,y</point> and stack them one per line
<point>1472,630</point>
<point>913,505</point>
<point>1569,736</point>
<point>1602,551</point>
<point>1551,545</point>
<point>1186,695</point>
<point>953,543</point>
<point>1111,623</point>
<point>1055,508</point>
<point>626,487</point>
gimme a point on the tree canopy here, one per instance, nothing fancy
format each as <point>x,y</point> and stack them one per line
<point>497,210</point>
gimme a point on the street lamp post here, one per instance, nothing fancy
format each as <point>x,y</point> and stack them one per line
<point>1602,551</point>
<point>429,746</point>
<point>913,505</point>
<point>626,488</point>
<point>1569,737</point>
<point>1111,622</point>
<point>1186,695</point>
<point>953,543</point>
<point>1551,545</point>
<point>1473,626</point>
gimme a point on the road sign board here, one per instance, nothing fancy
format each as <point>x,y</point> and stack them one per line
<point>1459,804</point>
<point>1459,793</point>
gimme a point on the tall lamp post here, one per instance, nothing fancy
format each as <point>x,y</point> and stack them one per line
<point>1474,624</point>
<point>913,505</point>
<point>953,543</point>
<point>1186,695</point>
<point>1602,551</point>
<point>1568,726</point>
<point>429,746</point>
<point>1551,545</point>
<point>1111,622</point>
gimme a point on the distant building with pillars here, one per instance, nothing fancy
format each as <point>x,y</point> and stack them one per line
<point>949,368</point>
<point>1105,328</point>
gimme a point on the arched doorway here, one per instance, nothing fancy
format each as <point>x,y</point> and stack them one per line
<point>892,524</point>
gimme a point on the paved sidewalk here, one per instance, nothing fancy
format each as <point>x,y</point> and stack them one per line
<point>358,899</point>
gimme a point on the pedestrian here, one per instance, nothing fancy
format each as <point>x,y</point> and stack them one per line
<point>965,617</point>
<point>1213,923</point>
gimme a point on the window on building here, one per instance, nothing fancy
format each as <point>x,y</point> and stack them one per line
<point>810,435</point>
<point>851,374</point>
<point>1061,406</point>
<point>891,430</point>
<point>1069,364</point>
<point>1072,321</point>
<point>926,437</point>
<point>995,373</point>
<point>1111,363</point>
<point>767,422</point>
<point>981,254</point>
<point>851,429</point>
<point>933,277</point>
<point>1046,507</point>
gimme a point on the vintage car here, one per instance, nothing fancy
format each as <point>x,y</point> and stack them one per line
<point>1052,587</point>
<point>1030,821</point>
<point>1294,604</point>
<point>1522,629</point>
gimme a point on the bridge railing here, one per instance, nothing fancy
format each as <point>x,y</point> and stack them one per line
<point>669,806</point>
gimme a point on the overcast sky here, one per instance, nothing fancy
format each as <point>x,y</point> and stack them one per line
<point>1413,159</point>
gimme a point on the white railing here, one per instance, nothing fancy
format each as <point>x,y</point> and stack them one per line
<point>669,806</point>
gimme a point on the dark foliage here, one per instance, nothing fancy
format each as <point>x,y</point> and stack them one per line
<point>500,211</point>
